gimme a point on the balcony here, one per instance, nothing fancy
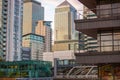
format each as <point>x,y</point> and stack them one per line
<point>94,56</point>
<point>108,18</point>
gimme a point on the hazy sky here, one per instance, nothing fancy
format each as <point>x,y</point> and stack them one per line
<point>50,6</point>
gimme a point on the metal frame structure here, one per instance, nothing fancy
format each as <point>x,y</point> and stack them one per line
<point>25,69</point>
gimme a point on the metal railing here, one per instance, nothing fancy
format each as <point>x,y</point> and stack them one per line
<point>100,12</point>
<point>80,72</point>
<point>78,77</point>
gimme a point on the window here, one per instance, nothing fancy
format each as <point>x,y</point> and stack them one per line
<point>109,41</point>
<point>107,37</point>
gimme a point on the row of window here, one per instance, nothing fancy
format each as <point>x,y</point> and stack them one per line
<point>107,1</point>
<point>109,40</point>
<point>32,37</point>
<point>108,10</point>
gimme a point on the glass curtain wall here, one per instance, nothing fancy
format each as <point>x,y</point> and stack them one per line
<point>108,8</point>
<point>109,40</point>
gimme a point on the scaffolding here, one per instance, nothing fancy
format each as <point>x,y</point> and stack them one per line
<point>25,69</point>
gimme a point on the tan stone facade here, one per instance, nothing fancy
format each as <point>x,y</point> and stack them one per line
<point>64,45</point>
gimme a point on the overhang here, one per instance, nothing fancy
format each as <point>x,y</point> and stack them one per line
<point>91,26</point>
<point>98,57</point>
<point>91,4</point>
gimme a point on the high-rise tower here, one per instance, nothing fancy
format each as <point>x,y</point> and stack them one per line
<point>43,28</point>
<point>32,12</point>
<point>65,14</point>
<point>11,24</point>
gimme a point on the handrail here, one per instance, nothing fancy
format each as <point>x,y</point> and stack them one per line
<point>101,12</point>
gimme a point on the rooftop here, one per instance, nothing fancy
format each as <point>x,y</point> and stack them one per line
<point>32,34</point>
<point>65,3</point>
<point>34,1</point>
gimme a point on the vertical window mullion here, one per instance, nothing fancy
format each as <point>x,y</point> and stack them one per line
<point>112,40</point>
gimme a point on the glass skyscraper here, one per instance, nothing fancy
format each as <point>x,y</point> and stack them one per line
<point>11,12</point>
<point>32,13</point>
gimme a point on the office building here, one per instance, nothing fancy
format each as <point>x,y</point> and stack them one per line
<point>64,45</point>
<point>65,14</point>
<point>26,53</point>
<point>90,43</point>
<point>11,13</point>
<point>88,14</point>
<point>50,56</point>
<point>35,45</point>
<point>106,29</point>
<point>32,13</point>
<point>43,28</point>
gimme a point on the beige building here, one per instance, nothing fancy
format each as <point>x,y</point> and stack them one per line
<point>40,28</point>
<point>43,28</point>
<point>65,33</point>
<point>36,45</point>
<point>32,12</point>
<point>64,45</point>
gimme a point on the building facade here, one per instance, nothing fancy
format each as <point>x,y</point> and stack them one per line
<point>106,29</point>
<point>36,45</point>
<point>43,28</point>
<point>65,14</point>
<point>50,56</point>
<point>64,45</point>
<point>32,13</point>
<point>90,43</point>
<point>26,53</point>
<point>10,25</point>
<point>64,30</point>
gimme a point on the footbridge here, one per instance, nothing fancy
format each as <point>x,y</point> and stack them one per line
<point>78,73</point>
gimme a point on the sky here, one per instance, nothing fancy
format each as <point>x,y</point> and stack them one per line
<point>50,6</point>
